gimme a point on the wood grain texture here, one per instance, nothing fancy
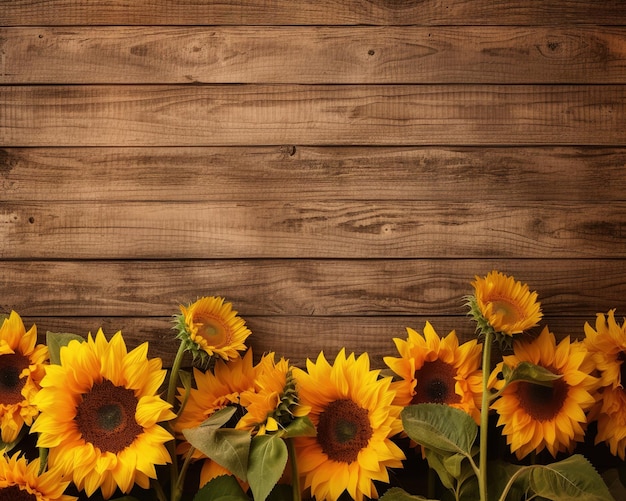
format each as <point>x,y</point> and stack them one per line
<point>137,230</point>
<point>189,174</point>
<point>312,115</point>
<point>313,55</point>
<point>302,12</point>
<point>295,337</point>
<point>327,287</point>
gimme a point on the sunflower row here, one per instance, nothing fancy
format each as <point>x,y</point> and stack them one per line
<point>108,421</point>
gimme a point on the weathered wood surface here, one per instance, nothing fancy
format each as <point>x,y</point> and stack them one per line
<point>337,229</point>
<point>294,336</point>
<point>313,55</point>
<point>339,170</point>
<point>313,287</point>
<point>196,115</point>
<point>299,309</point>
<point>248,173</point>
<point>303,12</point>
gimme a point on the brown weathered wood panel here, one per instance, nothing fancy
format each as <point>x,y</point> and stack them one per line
<point>314,115</point>
<point>138,230</point>
<point>330,173</point>
<point>313,55</point>
<point>294,337</point>
<point>359,287</point>
<point>302,12</point>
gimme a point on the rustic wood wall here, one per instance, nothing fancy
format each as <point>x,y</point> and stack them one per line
<point>337,169</point>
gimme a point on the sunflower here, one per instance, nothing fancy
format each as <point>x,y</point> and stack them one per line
<point>552,417</point>
<point>99,415</point>
<point>214,390</point>
<point>273,402</point>
<point>21,370</point>
<point>21,481</point>
<point>437,370</point>
<point>210,327</point>
<point>503,304</point>
<point>353,412</point>
<point>607,346</point>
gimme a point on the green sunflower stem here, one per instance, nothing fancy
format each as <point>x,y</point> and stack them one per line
<point>43,459</point>
<point>177,492</point>
<point>171,392</point>
<point>484,416</point>
<point>178,361</point>
<point>295,476</point>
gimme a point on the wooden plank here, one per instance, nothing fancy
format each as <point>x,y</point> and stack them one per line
<point>293,337</point>
<point>302,12</point>
<point>364,54</point>
<point>139,230</point>
<point>329,173</point>
<point>315,115</point>
<point>369,287</point>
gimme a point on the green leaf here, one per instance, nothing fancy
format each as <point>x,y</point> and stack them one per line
<point>223,488</point>
<point>572,478</point>
<point>531,373</point>
<point>397,494</point>
<point>226,446</point>
<point>435,461</point>
<point>219,418</point>
<point>499,473</point>
<point>440,427</point>
<point>56,340</point>
<point>268,457</point>
<point>300,427</point>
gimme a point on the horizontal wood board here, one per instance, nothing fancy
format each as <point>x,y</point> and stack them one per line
<point>339,170</point>
<point>346,55</point>
<point>303,12</point>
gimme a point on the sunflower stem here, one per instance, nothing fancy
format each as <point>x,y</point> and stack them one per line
<point>178,361</point>
<point>180,481</point>
<point>43,459</point>
<point>171,445</point>
<point>295,476</point>
<point>484,416</point>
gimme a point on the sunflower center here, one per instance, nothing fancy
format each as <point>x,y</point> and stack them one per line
<point>343,430</point>
<point>106,417</point>
<point>11,366</point>
<point>435,384</point>
<point>14,493</point>
<point>540,402</point>
<point>214,332</point>
<point>509,312</point>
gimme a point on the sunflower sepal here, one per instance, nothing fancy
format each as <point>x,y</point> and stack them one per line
<point>57,340</point>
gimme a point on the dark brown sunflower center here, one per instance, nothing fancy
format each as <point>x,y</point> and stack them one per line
<point>11,366</point>
<point>435,384</point>
<point>343,430</point>
<point>106,417</point>
<point>542,403</point>
<point>14,493</point>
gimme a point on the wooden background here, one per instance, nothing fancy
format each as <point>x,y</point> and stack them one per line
<point>337,169</point>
